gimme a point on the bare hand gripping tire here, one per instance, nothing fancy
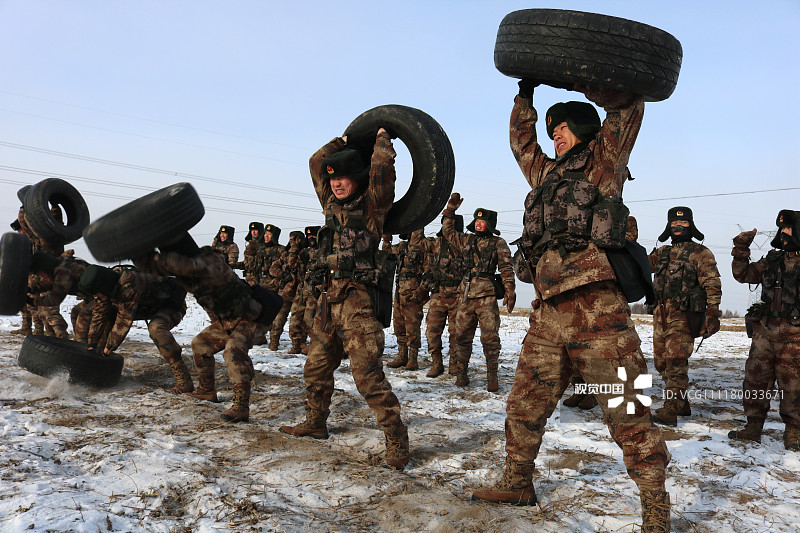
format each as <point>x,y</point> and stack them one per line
<point>144,224</point>
<point>434,163</point>
<point>561,47</point>
<point>15,259</point>
<point>48,356</point>
<point>55,191</point>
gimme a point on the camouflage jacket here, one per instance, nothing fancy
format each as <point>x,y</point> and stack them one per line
<point>65,281</point>
<point>777,270</point>
<point>230,249</point>
<point>273,259</point>
<point>443,264</point>
<point>252,263</point>
<point>603,163</point>
<point>481,257</point>
<point>350,249</point>
<point>687,274</point>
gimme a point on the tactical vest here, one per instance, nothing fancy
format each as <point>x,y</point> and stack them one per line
<point>356,248</point>
<point>272,252</point>
<point>231,300</point>
<point>480,263</point>
<point>448,268</point>
<point>410,263</point>
<point>567,212</point>
<point>779,288</point>
<point>677,280</point>
<point>163,292</point>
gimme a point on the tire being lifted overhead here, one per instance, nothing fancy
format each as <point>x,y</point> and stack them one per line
<point>49,356</point>
<point>432,155</point>
<point>562,47</point>
<point>138,227</point>
<point>15,260</point>
<point>55,191</point>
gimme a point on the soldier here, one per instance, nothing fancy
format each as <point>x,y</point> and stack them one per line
<point>483,253</point>
<point>272,278</point>
<point>775,320</point>
<point>443,273</point>
<point>688,292</point>
<point>407,302</point>
<point>253,253</point>
<point>223,242</point>
<point>356,191</point>
<point>581,320</point>
<point>239,314</point>
<point>305,303</point>
<point>160,301</point>
<point>60,276</point>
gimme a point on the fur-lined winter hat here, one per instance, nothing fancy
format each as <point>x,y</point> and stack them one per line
<point>257,226</point>
<point>787,219</point>
<point>99,279</point>
<point>311,232</point>
<point>275,230</point>
<point>489,216</point>
<point>680,213</point>
<point>581,118</point>
<point>346,163</point>
<point>226,229</point>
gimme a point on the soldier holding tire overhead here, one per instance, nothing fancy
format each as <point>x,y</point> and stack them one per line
<point>572,214</point>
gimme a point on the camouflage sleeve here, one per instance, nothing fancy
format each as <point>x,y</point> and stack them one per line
<point>655,258</point>
<point>380,194</point>
<point>456,239</point>
<point>708,275</point>
<point>417,239</point>
<point>132,286</point>
<point>504,264</point>
<point>233,255</point>
<point>173,263</point>
<point>746,272</point>
<point>62,282</point>
<point>321,185</point>
<point>533,162</point>
<point>102,313</point>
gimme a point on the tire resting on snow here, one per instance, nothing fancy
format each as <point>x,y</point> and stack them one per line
<point>140,226</point>
<point>562,47</point>
<point>15,260</point>
<point>48,356</point>
<point>433,160</point>
<point>37,210</point>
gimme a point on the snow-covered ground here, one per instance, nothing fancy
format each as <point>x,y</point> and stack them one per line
<point>136,458</point>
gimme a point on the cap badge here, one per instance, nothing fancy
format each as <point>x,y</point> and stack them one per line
<point>679,213</point>
<point>329,169</point>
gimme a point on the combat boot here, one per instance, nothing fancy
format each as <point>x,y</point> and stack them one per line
<point>401,359</point>
<point>574,400</point>
<point>304,349</point>
<point>516,486</point>
<point>22,331</point>
<point>588,402</point>
<point>183,379</point>
<point>314,427</point>
<point>397,453</point>
<point>205,387</point>
<point>412,363</point>
<point>240,410</point>
<point>462,379</point>
<point>296,347</point>
<point>751,431</point>
<point>25,326</point>
<point>791,438</point>
<point>437,365</point>
<point>274,342</point>
<point>260,340</point>
<point>492,385</point>
<point>668,414</point>
<point>655,511</point>
<point>452,365</point>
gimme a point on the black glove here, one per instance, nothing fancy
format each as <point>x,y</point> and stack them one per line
<point>363,141</point>
<point>526,87</point>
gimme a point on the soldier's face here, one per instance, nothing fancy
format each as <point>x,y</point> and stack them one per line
<point>254,233</point>
<point>267,236</point>
<point>681,223</point>
<point>342,187</point>
<point>223,236</point>
<point>564,139</point>
<point>480,225</point>
<point>787,230</point>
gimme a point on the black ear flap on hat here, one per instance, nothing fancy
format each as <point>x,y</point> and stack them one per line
<point>787,219</point>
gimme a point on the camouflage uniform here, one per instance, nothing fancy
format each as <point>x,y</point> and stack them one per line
<point>303,295</point>
<point>227,247</point>
<point>775,348</point>
<point>345,322</point>
<point>273,262</point>
<point>64,281</point>
<point>687,281</point>
<point>407,303</point>
<point>583,319</point>
<point>160,302</point>
<point>253,254</point>
<point>482,255</point>
<point>234,314</point>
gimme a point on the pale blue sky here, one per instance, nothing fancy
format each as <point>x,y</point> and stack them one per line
<point>122,98</point>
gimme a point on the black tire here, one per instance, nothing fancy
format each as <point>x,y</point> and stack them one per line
<point>138,227</point>
<point>433,160</point>
<point>22,192</point>
<point>56,191</point>
<point>562,47</point>
<point>15,260</point>
<point>47,356</point>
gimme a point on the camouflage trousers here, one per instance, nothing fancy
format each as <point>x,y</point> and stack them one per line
<point>672,346</point>
<point>276,329</point>
<point>587,328</point>
<point>476,311</point>
<point>81,318</point>
<point>51,316</point>
<point>441,310</point>
<point>235,337</point>
<point>298,331</point>
<point>774,356</point>
<point>351,329</point>
<point>159,326</point>
<point>407,319</point>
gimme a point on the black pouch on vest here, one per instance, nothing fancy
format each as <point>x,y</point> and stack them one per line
<point>381,296</point>
<point>271,303</point>
<point>499,288</point>
<point>755,313</point>
<point>381,305</point>
<point>632,269</point>
<point>695,321</point>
